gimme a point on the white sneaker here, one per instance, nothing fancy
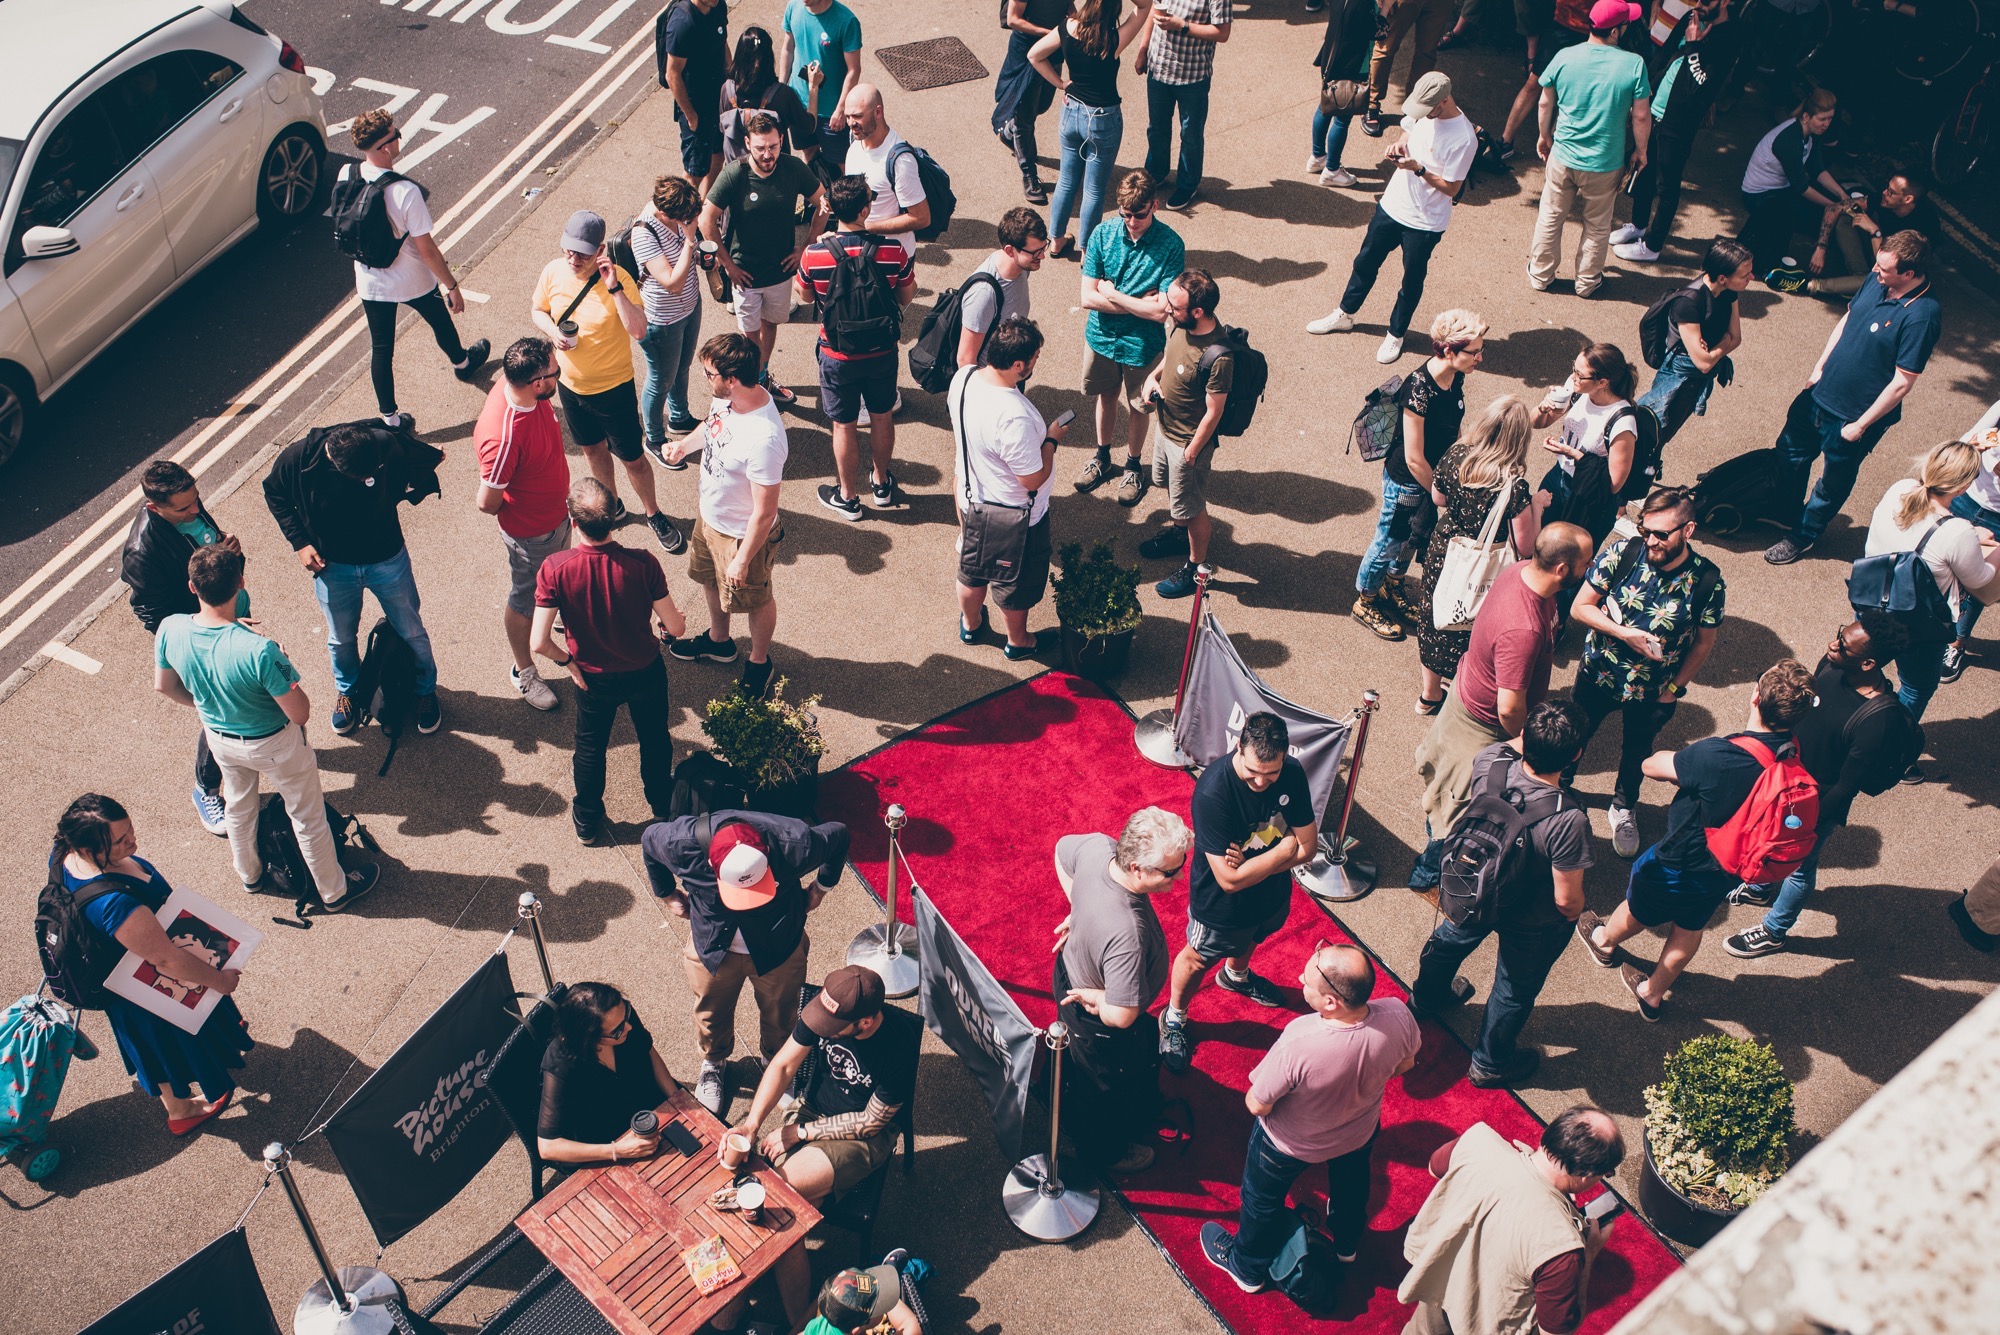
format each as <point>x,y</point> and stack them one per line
<point>1315,164</point>
<point>1624,833</point>
<point>1337,323</point>
<point>894,408</point>
<point>1339,176</point>
<point>1637,251</point>
<point>1391,349</point>
<point>532,688</point>
<point>1626,233</point>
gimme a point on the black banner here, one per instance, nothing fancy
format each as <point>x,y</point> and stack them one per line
<point>423,1125</point>
<point>964,1004</point>
<point>217,1291</point>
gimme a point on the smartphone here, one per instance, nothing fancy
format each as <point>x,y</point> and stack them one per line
<point>1069,415</point>
<point>1603,1209</point>
<point>677,1135</point>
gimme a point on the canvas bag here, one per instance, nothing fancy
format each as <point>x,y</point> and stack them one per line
<point>1471,565</point>
<point>995,536</point>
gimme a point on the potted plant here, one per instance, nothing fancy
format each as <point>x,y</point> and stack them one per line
<point>1097,604</point>
<point>772,749</point>
<point>1718,1134</point>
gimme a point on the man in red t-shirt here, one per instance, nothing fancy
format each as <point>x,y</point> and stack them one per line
<point>1504,674</point>
<point>523,478</point>
<point>857,366</point>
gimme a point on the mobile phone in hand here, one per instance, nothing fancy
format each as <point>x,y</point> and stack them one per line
<point>1068,416</point>
<point>1603,1209</point>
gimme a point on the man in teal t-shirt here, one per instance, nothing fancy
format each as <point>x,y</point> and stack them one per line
<point>1590,94</point>
<point>1126,269</point>
<point>826,33</point>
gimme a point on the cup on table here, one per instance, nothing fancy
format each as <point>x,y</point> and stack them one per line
<point>645,1122</point>
<point>750,1199</point>
<point>735,1150</point>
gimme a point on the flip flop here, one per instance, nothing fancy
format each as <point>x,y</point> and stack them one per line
<point>181,1126</point>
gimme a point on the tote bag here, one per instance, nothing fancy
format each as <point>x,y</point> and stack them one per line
<point>1471,565</point>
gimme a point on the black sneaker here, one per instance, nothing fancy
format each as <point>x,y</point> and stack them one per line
<point>1754,943</point>
<point>360,880</point>
<point>1032,187</point>
<point>1914,775</point>
<point>886,495</point>
<point>783,397</point>
<point>618,511</point>
<point>701,646</point>
<point>847,507</point>
<point>756,678</point>
<point>430,715</point>
<point>1169,541</point>
<point>656,450</point>
<point>1371,122</point>
<point>475,361</point>
<point>1973,934</point>
<point>1461,992</point>
<point>1954,664</point>
<point>1253,985</point>
<point>670,537</point>
<point>1508,152</point>
<point>1511,1074</point>
<point>588,833</point>
<point>1757,896</point>
<point>1176,1046</point>
<point>1785,551</point>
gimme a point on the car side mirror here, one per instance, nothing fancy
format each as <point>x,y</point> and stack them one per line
<point>44,243</point>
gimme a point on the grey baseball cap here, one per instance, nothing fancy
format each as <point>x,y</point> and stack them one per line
<point>583,233</point>
<point>1425,94</point>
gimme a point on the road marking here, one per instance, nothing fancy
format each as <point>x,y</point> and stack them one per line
<point>62,653</point>
<point>476,298</point>
<point>265,394</point>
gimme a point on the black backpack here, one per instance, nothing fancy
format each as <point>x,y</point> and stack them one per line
<point>937,189</point>
<point>386,688</point>
<point>1308,1271</point>
<point>860,315</point>
<point>285,870</point>
<point>1751,488</point>
<point>1904,585</point>
<point>361,228</point>
<point>619,243</point>
<point>1655,333</point>
<point>1379,424</point>
<point>934,356</point>
<point>76,957</point>
<point>1648,451</point>
<point>1886,776</point>
<point>1486,851</point>
<point>1249,374</point>
<point>660,51</point>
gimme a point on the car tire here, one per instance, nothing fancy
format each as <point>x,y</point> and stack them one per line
<point>291,177</point>
<point>17,411</point>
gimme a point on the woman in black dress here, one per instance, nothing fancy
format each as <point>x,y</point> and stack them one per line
<point>600,1068</point>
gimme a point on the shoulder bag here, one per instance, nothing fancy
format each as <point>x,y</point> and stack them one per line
<point>993,537</point>
<point>1472,564</point>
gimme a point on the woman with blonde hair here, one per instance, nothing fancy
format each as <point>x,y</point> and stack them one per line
<point>1493,453</point>
<point>1915,516</point>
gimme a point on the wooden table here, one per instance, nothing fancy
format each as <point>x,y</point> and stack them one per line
<point>617,1232</point>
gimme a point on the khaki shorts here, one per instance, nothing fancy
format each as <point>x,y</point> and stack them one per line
<point>852,1160</point>
<point>756,306</point>
<point>709,555</point>
<point>1102,376</point>
<point>1186,483</point>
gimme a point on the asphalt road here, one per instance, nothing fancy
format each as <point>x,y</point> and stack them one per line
<point>474,84</point>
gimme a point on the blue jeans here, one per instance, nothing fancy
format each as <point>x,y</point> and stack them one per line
<point>1919,669</point>
<point>669,350</point>
<point>1792,891</point>
<point>394,585</point>
<point>1265,1225</point>
<point>1163,100</point>
<point>1679,391</point>
<point>1810,432</point>
<point>1526,956</point>
<point>1090,139</point>
<point>1330,136</point>
<point>1390,552</point>
<point>1969,606</point>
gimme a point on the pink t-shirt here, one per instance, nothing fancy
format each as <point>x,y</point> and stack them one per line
<point>1324,1081</point>
<point>1513,646</point>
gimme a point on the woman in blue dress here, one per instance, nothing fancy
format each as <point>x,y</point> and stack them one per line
<point>95,841</point>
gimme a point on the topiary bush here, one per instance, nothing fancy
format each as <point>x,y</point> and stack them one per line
<point>1095,595</point>
<point>769,742</point>
<point>1720,1121</point>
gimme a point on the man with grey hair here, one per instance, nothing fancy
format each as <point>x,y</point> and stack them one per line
<point>1111,961</point>
<point>1317,1098</point>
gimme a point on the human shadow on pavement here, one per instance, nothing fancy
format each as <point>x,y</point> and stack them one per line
<point>1290,201</point>
<point>1299,497</point>
<point>1271,272</point>
<point>903,694</point>
<point>1539,358</point>
<point>1266,575</point>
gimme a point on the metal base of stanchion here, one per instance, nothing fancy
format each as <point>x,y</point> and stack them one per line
<point>1337,878</point>
<point>1154,736</point>
<point>1040,1208</point>
<point>899,970</point>
<point>368,1292</point>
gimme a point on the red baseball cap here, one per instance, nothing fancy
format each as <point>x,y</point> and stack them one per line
<point>1611,13</point>
<point>742,868</point>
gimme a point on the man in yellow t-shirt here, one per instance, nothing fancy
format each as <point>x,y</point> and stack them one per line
<point>592,310</point>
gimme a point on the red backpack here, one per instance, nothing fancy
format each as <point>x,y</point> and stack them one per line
<point>1775,828</point>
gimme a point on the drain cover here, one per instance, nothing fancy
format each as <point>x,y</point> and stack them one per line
<point>931,64</point>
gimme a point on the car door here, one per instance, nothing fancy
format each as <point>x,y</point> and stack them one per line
<point>190,115</point>
<point>86,180</point>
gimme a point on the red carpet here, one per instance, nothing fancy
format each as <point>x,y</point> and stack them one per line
<point>989,790</point>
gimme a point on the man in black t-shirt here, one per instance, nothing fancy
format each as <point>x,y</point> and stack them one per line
<point>1704,325</point>
<point>695,38</point>
<point>1900,206</point>
<point>1538,907</point>
<point>1253,822</point>
<point>1685,91</point>
<point>1860,739</point>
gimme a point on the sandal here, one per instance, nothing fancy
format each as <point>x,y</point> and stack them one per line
<point>1061,246</point>
<point>1429,708</point>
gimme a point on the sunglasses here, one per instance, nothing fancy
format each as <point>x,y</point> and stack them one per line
<point>1321,944</point>
<point>1136,216</point>
<point>1661,534</point>
<point>1175,870</point>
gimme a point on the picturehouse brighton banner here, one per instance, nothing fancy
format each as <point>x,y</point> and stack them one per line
<point>964,1005</point>
<point>217,1289</point>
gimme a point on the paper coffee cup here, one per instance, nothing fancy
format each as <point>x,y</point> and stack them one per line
<point>568,328</point>
<point>735,1150</point>
<point>645,1122</point>
<point>750,1200</point>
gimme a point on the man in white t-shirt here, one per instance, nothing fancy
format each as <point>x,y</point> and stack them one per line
<point>900,207</point>
<point>1024,240</point>
<point>1002,462</point>
<point>1431,163</point>
<point>743,449</point>
<point>419,277</point>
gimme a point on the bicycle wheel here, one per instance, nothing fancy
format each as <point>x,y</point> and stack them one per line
<point>1819,34</point>
<point>1937,39</point>
<point>1961,139</point>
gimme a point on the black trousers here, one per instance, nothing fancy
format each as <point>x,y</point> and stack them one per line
<point>1643,720</point>
<point>1383,236</point>
<point>644,693</point>
<point>382,340</point>
<point>1656,192</point>
<point>1111,1081</point>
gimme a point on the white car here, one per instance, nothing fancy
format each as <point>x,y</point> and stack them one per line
<point>139,139</point>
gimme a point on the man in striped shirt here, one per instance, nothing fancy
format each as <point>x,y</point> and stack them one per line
<point>523,482</point>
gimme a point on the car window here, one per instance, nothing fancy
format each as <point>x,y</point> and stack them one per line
<point>155,95</point>
<point>10,158</point>
<point>77,160</point>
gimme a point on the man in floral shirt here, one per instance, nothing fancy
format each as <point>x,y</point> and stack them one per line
<point>1651,605</point>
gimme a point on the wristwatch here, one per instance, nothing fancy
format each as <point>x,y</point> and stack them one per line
<point>1673,690</point>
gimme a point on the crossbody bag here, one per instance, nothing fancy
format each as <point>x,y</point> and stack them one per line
<point>993,537</point>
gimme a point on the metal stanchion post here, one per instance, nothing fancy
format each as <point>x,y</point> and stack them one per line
<point>890,949</point>
<point>1340,875</point>
<point>531,909</point>
<point>348,1301</point>
<point>1034,1196</point>
<point>1154,734</point>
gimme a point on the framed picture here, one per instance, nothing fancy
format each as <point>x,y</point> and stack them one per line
<point>204,930</point>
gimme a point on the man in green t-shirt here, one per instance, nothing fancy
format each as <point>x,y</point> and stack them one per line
<point>821,55</point>
<point>1187,399</point>
<point>1590,94</point>
<point>757,198</point>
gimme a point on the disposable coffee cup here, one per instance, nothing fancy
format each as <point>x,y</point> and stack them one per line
<point>750,1200</point>
<point>1788,261</point>
<point>1857,194</point>
<point>645,1122</point>
<point>568,328</point>
<point>735,1150</point>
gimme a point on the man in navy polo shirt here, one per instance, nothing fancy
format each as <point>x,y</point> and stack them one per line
<point>1868,367</point>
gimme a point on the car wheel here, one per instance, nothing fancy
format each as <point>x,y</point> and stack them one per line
<point>288,184</point>
<point>17,410</point>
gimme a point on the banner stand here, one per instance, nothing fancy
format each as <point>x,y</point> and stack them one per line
<point>1034,1196</point>
<point>1154,734</point>
<point>531,911</point>
<point>891,949</point>
<point>351,1301</point>
<point>1342,873</point>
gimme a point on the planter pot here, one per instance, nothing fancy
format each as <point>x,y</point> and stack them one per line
<point>796,799</point>
<point>702,782</point>
<point>1674,1214</point>
<point>1096,657</point>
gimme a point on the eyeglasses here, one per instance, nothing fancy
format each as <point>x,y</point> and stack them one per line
<point>1313,960</point>
<point>546,375</point>
<point>1176,869</point>
<point>1037,252</point>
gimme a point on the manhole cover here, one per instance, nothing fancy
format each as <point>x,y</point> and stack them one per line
<point>931,64</point>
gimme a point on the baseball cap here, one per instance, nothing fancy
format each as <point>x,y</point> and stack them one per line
<point>854,1299</point>
<point>583,233</point>
<point>1611,13</point>
<point>1425,94</point>
<point>850,993</point>
<point>742,868</point>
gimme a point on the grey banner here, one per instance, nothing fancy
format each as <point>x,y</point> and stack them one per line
<point>964,1004</point>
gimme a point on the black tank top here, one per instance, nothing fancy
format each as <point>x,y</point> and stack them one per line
<point>1093,80</point>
